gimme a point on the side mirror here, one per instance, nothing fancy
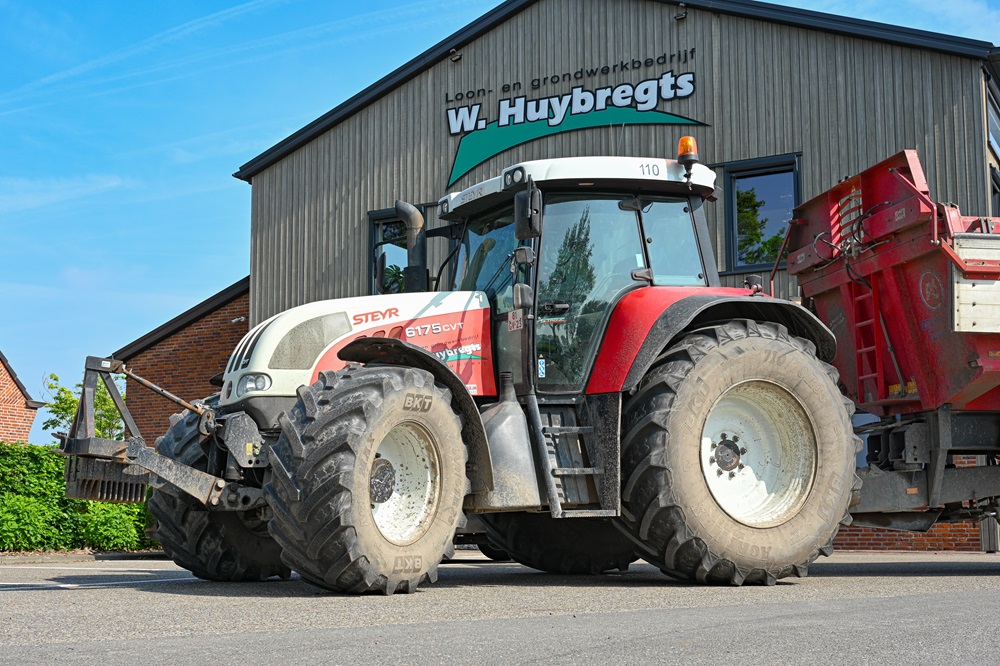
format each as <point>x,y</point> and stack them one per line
<point>380,273</point>
<point>528,212</point>
<point>523,297</point>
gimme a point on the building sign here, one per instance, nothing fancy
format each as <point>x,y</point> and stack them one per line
<point>517,120</point>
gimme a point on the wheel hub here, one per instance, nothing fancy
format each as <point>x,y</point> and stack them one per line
<point>382,482</point>
<point>758,453</point>
<point>404,483</point>
<point>727,455</point>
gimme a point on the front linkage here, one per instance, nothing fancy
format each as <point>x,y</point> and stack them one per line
<point>119,471</point>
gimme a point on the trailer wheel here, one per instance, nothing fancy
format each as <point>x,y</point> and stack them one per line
<point>493,552</point>
<point>214,545</point>
<point>572,546</point>
<point>737,457</point>
<point>368,480</point>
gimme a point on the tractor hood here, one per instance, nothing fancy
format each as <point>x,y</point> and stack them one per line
<point>292,348</point>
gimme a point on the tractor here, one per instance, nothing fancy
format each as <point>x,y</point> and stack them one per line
<point>578,384</point>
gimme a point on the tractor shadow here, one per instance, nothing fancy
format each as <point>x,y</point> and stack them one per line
<point>476,573</point>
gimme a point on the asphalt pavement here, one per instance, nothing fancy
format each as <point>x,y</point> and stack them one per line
<point>853,609</point>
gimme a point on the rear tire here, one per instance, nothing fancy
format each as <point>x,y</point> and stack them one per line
<point>214,545</point>
<point>494,553</point>
<point>368,480</point>
<point>573,546</point>
<point>737,457</point>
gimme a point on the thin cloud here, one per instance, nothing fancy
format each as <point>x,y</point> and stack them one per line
<point>20,194</point>
<point>152,43</point>
<point>361,27</point>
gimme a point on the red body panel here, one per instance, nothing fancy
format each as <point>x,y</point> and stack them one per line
<point>461,340</point>
<point>630,324</point>
<point>876,256</point>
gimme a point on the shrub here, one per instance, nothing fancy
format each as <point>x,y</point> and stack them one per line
<point>31,471</point>
<point>35,514</point>
<point>112,526</point>
<point>30,523</point>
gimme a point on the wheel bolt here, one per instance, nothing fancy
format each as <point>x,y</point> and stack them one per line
<point>741,466</point>
<point>743,451</point>
<point>714,445</point>
<point>735,438</point>
<point>718,472</point>
<point>711,461</point>
<point>732,475</point>
<point>724,436</point>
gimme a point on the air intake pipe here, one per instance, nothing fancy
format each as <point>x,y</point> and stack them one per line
<point>415,275</point>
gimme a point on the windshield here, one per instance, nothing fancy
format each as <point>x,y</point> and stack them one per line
<point>483,259</point>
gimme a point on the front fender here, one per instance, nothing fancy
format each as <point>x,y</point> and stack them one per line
<point>646,321</point>
<point>389,351</point>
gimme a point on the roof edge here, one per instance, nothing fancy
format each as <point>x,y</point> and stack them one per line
<point>382,87</point>
<point>29,402</point>
<point>807,18</point>
<point>210,304</point>
<point>802,18</point>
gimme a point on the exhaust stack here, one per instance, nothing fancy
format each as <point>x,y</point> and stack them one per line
<point>415,275</point>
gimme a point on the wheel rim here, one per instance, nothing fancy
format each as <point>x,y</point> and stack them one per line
<point>758,453</point>
<point>403,484</point>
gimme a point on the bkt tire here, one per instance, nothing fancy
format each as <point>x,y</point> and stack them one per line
<point>368,480</point>
<point>214,545</point>
<point>560,546</point>
<point>738,456</point>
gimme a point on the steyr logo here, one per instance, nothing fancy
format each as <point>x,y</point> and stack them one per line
<point>377,315</point>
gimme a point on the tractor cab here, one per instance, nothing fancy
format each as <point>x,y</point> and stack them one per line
<point>555,244</point>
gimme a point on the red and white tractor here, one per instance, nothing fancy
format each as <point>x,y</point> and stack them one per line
<point>579,382</point>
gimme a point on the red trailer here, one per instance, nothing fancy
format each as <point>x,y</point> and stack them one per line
<point>911,289</point>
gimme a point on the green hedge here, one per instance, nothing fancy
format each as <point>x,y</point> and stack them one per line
<point>36,515</point>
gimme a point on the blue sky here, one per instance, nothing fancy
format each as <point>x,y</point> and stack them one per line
<point>122,122</point>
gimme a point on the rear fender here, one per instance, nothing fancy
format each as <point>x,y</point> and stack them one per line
<point>389,351</point>
<point>646,321</point>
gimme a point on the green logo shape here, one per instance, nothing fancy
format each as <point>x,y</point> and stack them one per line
<point>463,357</point>
<point>478,146</point>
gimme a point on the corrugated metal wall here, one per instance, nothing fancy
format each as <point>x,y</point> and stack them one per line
<point>762,89</point>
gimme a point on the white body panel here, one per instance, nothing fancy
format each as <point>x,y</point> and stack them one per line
<point>976,303</point>
<point>362,316</point>
<point>586,171</point>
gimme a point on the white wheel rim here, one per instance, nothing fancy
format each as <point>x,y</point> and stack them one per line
<point>758,453</point>
<point>407,513</point>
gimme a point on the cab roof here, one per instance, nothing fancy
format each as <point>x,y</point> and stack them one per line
<point>639,174</point>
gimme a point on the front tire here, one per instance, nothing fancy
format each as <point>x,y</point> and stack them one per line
<point>214,545</point>
<point>368,480</point>
<point>738,456</point>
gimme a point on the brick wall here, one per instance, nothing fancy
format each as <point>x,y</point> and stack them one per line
<point>962,536</point>
<point>943,536</point>
<point>183,363</point>
<point>16,418</point>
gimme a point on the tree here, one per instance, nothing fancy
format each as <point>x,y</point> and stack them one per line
<point>393,281</point>
<point>573,276</point>
<point>63,403</point>
<point>570,282</point>
<point>752,247</point>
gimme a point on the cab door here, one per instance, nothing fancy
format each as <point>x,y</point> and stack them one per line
<point>590,247</point>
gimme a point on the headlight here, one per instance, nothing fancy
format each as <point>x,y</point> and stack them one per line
<point>513,177</point>
<point>252,382</point>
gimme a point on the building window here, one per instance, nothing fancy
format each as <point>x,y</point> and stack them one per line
<point>993,123</point>
<point>995,191</point>
<point>760,197</point>
<point>388,234</point>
